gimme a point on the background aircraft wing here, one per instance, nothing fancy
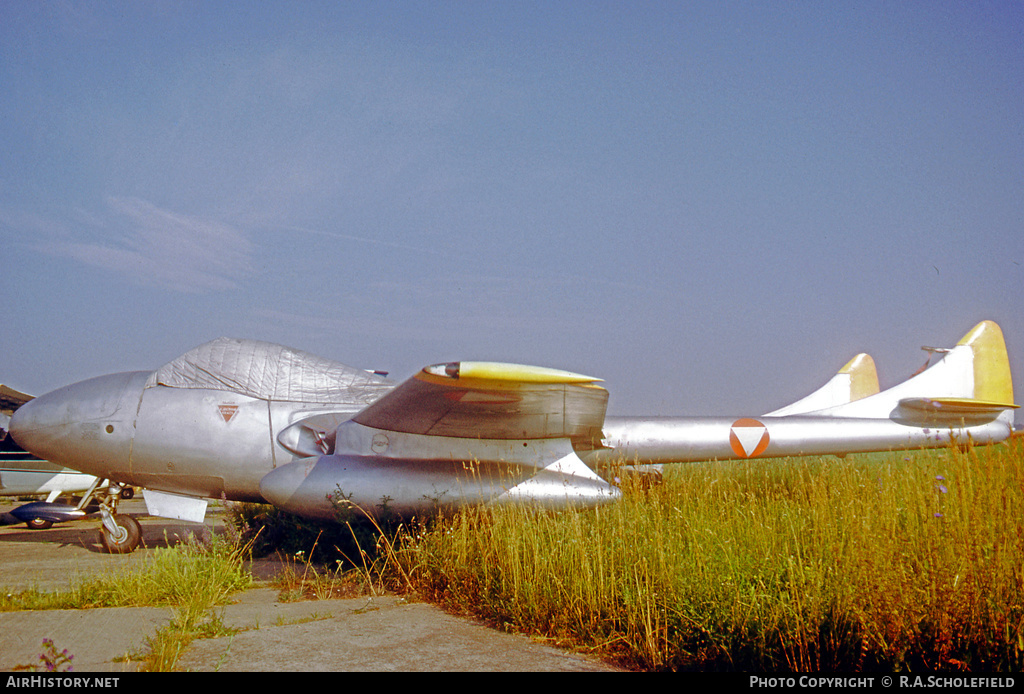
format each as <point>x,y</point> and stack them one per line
<point>11,399</point>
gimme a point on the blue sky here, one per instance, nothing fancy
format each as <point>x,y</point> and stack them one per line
<point>712,206</point>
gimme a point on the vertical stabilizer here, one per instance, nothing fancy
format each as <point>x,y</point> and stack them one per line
<point>992,379</point>
<point>858,379</point>
<point>975,374</point>
<point>863,376</point>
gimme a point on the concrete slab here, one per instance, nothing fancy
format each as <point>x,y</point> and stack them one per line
<point>378,634</point>
<point>101,640</point>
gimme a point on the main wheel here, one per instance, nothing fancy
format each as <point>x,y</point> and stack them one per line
<point>127,537</point>
<point>39,524</point>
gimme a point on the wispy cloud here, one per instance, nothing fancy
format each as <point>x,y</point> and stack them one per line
<point>158,247</point>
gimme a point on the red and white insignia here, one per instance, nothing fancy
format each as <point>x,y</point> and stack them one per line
<point>748,438</point>
<point>227,411</point>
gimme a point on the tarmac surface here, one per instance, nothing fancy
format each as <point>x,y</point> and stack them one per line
<point>388,633</point>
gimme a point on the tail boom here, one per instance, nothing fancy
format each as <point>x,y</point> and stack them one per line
<point>674,440</point>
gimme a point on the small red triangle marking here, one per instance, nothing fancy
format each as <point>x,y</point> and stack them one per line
<point>227,411</point>
<point>748,438</point>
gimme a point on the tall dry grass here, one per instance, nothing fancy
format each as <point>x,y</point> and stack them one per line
<point>895,562</point>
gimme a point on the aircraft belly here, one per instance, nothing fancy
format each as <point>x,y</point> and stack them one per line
<point>201,442</point>
<point>406,486</point>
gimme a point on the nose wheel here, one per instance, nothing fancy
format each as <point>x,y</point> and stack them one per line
<point>120,533</point>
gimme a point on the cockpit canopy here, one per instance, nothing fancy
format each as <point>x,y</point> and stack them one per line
<point>269,371</point>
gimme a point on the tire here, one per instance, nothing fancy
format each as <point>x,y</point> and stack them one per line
<point>124,542</point>
<point>39,524</point>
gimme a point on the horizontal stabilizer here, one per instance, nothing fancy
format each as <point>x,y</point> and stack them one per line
<point>949,411</point>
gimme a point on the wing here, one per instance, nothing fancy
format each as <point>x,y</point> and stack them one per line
<point>11,399</point>
<point>457,433</point>
<point>489,400</point>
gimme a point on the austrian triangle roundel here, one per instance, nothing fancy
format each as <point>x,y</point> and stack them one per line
<point>748,438</point>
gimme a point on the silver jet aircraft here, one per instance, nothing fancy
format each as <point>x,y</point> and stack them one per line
<point>252,421</point>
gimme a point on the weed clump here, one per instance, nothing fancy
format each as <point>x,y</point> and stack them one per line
<point>355,553</point>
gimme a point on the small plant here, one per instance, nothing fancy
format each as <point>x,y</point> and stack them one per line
<point>52,661</point>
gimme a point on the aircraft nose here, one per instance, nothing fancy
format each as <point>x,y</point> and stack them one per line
<point>84,422</point>
<point>34,422</point>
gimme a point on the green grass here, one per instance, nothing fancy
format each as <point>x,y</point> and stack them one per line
<point>190,577</point>
<point>169,576</point>
<point>896,562</point>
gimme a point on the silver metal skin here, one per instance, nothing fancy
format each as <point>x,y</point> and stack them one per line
<point>87,426</point>
<point>554,478</point>
<point>200,442</point>
<point>211,444</point>
<point>22,473</point>
<point>415,487</point>
<point>250,421</point>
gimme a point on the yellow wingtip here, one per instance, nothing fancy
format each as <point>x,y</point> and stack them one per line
<point>992,379</point>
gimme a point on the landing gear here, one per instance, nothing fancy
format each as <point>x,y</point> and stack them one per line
<point>120,533</point>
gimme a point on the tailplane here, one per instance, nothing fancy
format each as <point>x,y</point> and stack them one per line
<point>971,382</point>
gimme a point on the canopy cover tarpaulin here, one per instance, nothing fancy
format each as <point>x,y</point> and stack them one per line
<point>268,371</point>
